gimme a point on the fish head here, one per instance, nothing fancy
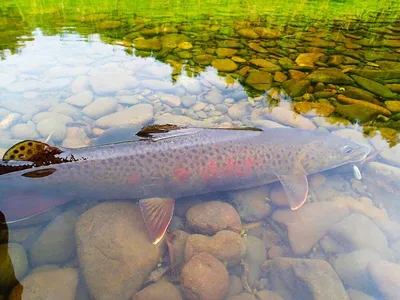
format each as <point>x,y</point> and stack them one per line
<point>329,151</point>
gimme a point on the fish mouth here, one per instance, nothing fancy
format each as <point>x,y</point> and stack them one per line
<point>360,153</point>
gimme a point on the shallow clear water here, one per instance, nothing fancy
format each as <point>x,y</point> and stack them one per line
<point>80,74</point>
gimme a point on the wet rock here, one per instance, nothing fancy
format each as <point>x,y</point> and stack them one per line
<point>158,85</point>
<point>259,80</point>
<point>139,114</point>
<point>384,175</point>
<point>67,110</point>
<point>268,33</point>
<point>358,295</point>
<point>227,246</point>
<point>188,101</point>
<point>395,87</point>
<point>150,44</point>
<point>268,295</point>
<point>266,65</point>
<point>121,133</point>
<point>235,285</point>
<point>308,225</point>
<point>80,99</point>
<point>267,124</point>
<point>100,107</point>
<point>242,296</point>
<point>211,217</point>
<point>171,100</point>
<point>294,74</point>
<point>329,76</point>
<point>252,204</point>
<point>256,47</point>
<point>320,43</point>
<point>256,254</point>
<point>56,243</point>
<point>393,106</point>
<point>204,278</point>
<point>288,117</point>
<point>213,97</point>
<point>314,108</point>
<point>56,128</point>
<point>177,247</point>
<point>319,280</point>
<point>80,84</point>
<point>308,59</point>
<point>161,290</point>
<point>203,59</point>
<point>24,132</point>
<point>296,88</point>
<point>110,83</point>
<point>76,138</point>
<point>224,65</point>
<point>225,52</point>
<point>352,268</point>
<point>280,77</point>
<point>374,87</point>
<point>60,118</point>
<point>13,266</point>
<point>19,235</point>
<point>391,229</point>
<point>248,33</point>
<point>45,268</point>
<point>239,111</point>
<point>114,250</point>
<point>357,112</point>
<point>358,232</point>
<point>356,93</point>
<point>60,284</point>
<point>386,276</point>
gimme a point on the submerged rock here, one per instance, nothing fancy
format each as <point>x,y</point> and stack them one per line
<point>139,114</point>
<point>357,112</point>
<point>307,225</point>
<point>211,217</point>
<point>329,76</point>
<point>374,87</point>
<point>318,279</point>
<point>114,250</point>
<point>386,276</point>
<point>296,88</point>
<point>288,117</point>
<point>259,80</point>
<point>252,204</point>
<point>59,284</point>
<point>204,278</point>
<point>227,246</point>
<point>161,290</point>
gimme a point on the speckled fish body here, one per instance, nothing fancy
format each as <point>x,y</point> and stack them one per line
<point>192,161</point>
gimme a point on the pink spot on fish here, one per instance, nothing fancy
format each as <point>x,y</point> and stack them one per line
<point>210,170</point>
<point>181,174</point>
<point>133,178</point>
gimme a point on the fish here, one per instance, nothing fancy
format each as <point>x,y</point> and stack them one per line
<point>166,163</point>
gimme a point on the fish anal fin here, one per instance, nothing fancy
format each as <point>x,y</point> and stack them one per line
<point>33,151</point>
<point>296,189</point>
<point>157,214</point>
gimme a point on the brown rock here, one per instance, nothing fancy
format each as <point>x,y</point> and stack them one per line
<point>161,290</point>
<point>114,250</point>
<point>278,196</point>
<point>242,296</point>
<point>211,217</point>
<point>259,80</point>
<point>268,295</point>
<point>227,246</point>
<point>295,74</point>
<point>177,248</point>
<point>205,278</point>
<point>60,285</point>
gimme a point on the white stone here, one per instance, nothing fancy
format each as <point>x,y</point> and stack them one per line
<point>100,107</point>
<point>51,115</point>
<point>6,79</point>
<point>267,124</point>
<point>109,83</point>
<point>239,111</point>
<point>288,117</point>
<point>130,99</point>
<point>56,128</point>
<point>24,132</point>
<point>66,109</point>
<point>138,114</point>
<point>171,100</point>
<point>80,84</point>
<point>81,99</point>
<point>158,85</point>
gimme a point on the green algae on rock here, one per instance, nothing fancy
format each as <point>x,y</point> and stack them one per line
<point>374,87</point>
<point>259,80</point>
<point>329,76</point>
<point>224,65</point>
<point>356,112</point>
<point>296,88</point>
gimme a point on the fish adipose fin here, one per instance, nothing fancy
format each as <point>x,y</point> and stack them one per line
<point>296,189</point>
<point>157,214</point>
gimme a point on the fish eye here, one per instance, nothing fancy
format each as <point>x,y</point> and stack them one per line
<point>347,150</point>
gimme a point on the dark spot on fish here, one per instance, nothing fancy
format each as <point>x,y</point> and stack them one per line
<point>16,151</point>
<point>194,150</point>
<point>154,156</point>
<point>142,156</point>
<point>22,148</point>
<point>279,162</point>
<point>149,160</point>
<point>30,144</point>
<point>268,156</point>
<point>278,156</point>
<point>29,151</point>
<point>12,156</point>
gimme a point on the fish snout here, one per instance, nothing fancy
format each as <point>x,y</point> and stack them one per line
<point>361,153</point>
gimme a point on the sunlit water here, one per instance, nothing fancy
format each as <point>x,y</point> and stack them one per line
<point>78,75</point>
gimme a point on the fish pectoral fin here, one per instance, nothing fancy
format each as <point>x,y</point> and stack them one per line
<point>296,189</point>
<point>157,214</point>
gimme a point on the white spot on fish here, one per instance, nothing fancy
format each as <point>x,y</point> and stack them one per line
<point>357,173</point>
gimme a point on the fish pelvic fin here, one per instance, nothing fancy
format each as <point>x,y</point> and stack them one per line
<point>157,214</point>
<point>296,189</point>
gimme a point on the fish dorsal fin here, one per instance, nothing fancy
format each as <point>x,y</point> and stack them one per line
<point>296,189</point>
<point>160,132</point>
<point>157,214</point>
<point>34,151</point>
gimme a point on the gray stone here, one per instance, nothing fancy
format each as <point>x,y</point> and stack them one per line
<point>386,276</point>
<point>67,110</point>
<point>110,83</point>
<point>213,97</point>
<point>80,84</point>
<point>139,114</point>
<point>158,85</point>
<point>100,107</point>
<point>80,99</point>
<point>188,101</point>
<point>60,118</point>
<point>56,243</point>
<point>239,111</point>
<point>171,100</point>
<point>53,127</point>
<point>391,229</point>
<point>357,232</point>
<point>24,132</point>
<point>295,278</point>
<point>358,295</point>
